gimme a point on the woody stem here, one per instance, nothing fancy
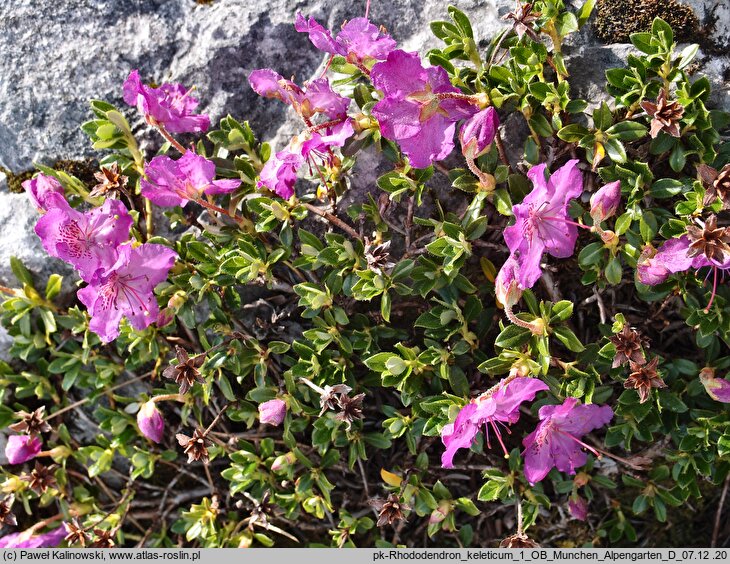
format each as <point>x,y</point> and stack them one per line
<point>217,418</point>
<point>333,219</point>
<point>88,398</point>
<point>518,503</point>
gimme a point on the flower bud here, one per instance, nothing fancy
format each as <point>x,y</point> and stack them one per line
<point>578,508</point>
<point>45,192</point>
<point>165,317</point>
<point>272,412</point>
<point>150,421</point>
<point>478,132</point>
<point>605,201</point>
<point>440,513</point>
<point>21,448</point>
<point>60,453</point>
<point>609,238</point>
<point>506,286</point>
<point>283,463</point>
<point>176,301</point>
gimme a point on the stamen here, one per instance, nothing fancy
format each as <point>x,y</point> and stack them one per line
<point>566,221</point>
<point>714,289</point>
<point>499,437</point>
<point>581,443</point>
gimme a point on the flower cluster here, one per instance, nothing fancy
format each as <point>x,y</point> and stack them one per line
<point>120,273</point>
<point>313,146</point>
<point>554,443</point>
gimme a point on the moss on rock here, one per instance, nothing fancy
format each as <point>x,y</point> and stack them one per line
<point>616,20</point>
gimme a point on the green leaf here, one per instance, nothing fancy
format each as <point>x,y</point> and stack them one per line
<point>53,286</point>
<point>512,337</point>
<point>687,54</point>
<point>627,130</point>
<point>21,272</point>
<point>663,30</point>
<point>677,159</point>
<point>602,117</point>
<point>568,338</point>
<point>614,271</point>
<point>541,125</point>
<point>573,133</point>
<point>585,12</point>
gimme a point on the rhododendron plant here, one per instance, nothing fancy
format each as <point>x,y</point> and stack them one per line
<point>423,297</point>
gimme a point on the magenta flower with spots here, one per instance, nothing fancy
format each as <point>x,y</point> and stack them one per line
<point>27,539</point>
<point>556,440</point>
<point>22,448</point>
<point>45,192</point>
<point>127,289</point>
<point>359,41</point>
<point>150,421</point>
<point>87,240</point>
<point>169,105</point>
<point>495,409</point>
<point>542,223</point>
<point>172,183</point>
<point>420,107</point>
<point>272,412</point>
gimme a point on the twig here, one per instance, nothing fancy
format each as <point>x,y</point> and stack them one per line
<point>409,222</point>
<point>718,513</point>
<point>333,219</point>
<point>88,398</point>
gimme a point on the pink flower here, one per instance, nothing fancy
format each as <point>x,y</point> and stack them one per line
<point>420,107</point>
<point>21,448</point>
<point>45,192</point>
<point>605,201</point>
<point>672,257</point>
<point>556,440</point>
<point>279,174</point>
<point>272,412</point>
<point>358,41</point>
<point>26,539</point>
<point>172,183</point>
<point>477,133</point>
<point>87,240</point>
<point>717,388</point>
<point>150,421</point>
<point>127,289</point>
<point>542,223</point>
<point>500,407</point>
<point>578,508</point>
<point>169,105</point>
<point>316,98</point>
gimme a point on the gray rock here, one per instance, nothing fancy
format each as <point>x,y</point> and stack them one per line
<point>18,216</point>
<point>55,55</point>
